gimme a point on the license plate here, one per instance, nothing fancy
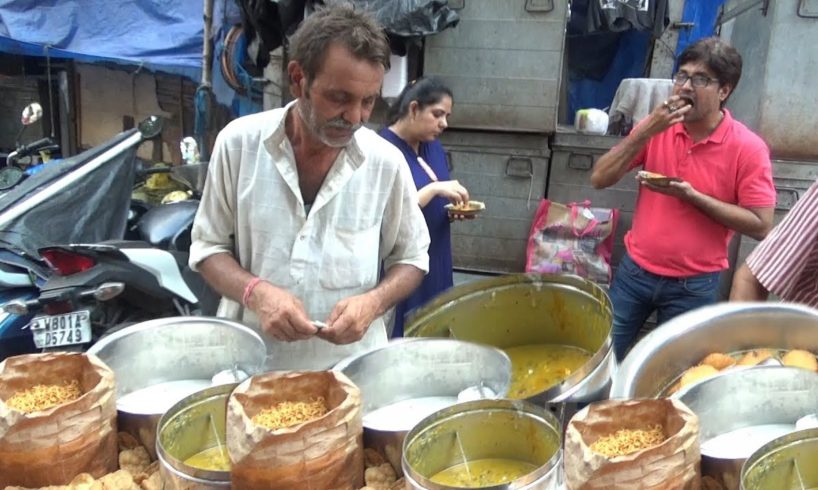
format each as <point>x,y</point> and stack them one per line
<point>59,330</point>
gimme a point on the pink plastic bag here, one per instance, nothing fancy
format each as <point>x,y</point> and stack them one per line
<point>572,239</point>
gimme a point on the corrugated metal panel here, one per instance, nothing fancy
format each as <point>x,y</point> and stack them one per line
<point>776,96</point>
<point>508,173</point>
<point>503,62</point>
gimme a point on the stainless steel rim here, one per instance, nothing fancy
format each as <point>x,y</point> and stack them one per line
<point>182,469</point>
<point>573,283</point>
<point>535,412</point>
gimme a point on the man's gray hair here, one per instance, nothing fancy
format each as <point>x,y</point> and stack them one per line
<point>341,24</point>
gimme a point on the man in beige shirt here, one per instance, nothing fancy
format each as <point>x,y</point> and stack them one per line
<point>302,205</point>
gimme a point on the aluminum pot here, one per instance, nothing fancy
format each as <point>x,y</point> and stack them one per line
<point>507,429</point>
<point>187,350</point>
<point>760,400</point>
<point>657,360</point>
<point>194,424</point>
<point>522,309</point>
<point>786,462</point>
<point>410,369</point>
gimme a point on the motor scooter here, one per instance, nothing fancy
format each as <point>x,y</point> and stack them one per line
<point>81,199</point>
<point>96,289</point>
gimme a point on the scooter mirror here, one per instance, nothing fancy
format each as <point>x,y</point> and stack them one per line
<point>151,127</point>
<point>31,114</point>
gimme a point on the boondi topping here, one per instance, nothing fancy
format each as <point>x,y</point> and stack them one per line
<point>286,414</point>
<point>43,397</point>
<point>626,441</point>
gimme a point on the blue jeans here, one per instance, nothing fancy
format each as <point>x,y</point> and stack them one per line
<point>636,293</point>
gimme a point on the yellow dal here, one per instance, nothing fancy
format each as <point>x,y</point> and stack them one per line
<point>534,368</point>
<point>483,473</point>
<point>213,459</point>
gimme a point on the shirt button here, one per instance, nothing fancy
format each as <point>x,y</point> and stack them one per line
<point>302,237</point>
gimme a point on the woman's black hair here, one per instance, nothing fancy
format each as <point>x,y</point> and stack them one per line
<point>425,91</point>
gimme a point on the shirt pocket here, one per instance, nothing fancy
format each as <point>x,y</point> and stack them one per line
<point>350,259</point>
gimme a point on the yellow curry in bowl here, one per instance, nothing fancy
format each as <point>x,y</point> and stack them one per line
<point>537,367</point>
<point>211,459</point>
<point>483,473</point>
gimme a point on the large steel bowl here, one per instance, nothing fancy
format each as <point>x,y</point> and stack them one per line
<point>192,425</point>
<point>174,349</point>
<point>485,429</point>
<point>760,401</point>
<point>523,309</point>
<point>657,360</point>
<point>787,462</point>
<point>410,369</point>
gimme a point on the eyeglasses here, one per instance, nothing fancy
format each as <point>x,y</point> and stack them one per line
<point>698,81</point>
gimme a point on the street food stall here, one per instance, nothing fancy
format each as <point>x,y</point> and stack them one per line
<point>471,400</point>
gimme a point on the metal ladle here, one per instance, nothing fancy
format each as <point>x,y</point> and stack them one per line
<point>463,455</point>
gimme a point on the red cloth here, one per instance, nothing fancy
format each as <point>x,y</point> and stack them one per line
<point>786,262</point>
<point>672,238</point>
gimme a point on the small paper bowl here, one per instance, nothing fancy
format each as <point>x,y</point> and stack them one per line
<point>470,209</point>
<point>661,181</point>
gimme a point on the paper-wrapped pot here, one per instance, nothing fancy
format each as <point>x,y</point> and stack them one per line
<point>52,446</point>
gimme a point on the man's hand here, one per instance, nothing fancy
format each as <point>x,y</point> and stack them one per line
<point>281,315</point>
<point>350,319</point>
<point>678,189</point>
<point>667,114</point>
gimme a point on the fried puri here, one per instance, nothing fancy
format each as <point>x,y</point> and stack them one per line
<point>697,373</point>
<point>800,358</point>
<point>754,357</point>
<point>718,360</point>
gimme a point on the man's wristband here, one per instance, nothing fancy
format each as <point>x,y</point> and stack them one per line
<point>248,289</point>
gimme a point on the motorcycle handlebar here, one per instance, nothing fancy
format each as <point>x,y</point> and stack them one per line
<point>35,146</point>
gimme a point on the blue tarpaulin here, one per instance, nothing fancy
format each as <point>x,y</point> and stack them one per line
<point>702,14</point>
<point>158,34</point>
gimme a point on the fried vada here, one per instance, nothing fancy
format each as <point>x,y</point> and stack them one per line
<point>800,358</point>
<point>697,373</point>
<point>718,360</point>
<point>754,357</point>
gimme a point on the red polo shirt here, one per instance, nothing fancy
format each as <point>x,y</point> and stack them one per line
<point>672,238</point>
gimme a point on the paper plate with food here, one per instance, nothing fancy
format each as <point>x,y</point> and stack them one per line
<point>469,208</point>
<point>656,179</point>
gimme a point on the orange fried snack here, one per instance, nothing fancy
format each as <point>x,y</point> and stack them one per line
<point>697,373</point>
<point>800,358</point>
<point>719,360</point>
<point>754,357</point>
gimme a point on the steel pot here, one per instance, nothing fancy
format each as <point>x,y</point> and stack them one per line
<point>194,424</point>
<point>657,360</point>
<point>419,368</point>
<point>188,350</point>
<point>509,429</point>
<point>760,400</point>
<point>521,309</point>
<point>786,462</point>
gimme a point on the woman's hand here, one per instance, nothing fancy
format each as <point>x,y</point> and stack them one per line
<point>453,191</point>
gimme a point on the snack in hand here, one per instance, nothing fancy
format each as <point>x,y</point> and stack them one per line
<point>655,178</point>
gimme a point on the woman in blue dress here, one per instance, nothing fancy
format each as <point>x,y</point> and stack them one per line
<point>415,122</point>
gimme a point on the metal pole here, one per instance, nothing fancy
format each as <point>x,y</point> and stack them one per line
<point>203,92</point>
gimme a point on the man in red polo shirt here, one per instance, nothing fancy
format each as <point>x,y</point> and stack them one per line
<point>720,182</point>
